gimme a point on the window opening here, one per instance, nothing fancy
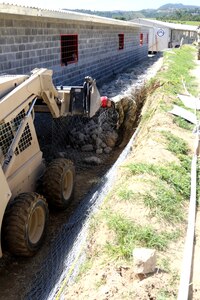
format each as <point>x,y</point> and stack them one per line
<point>141,39</point>
<point>121,41</point>
<point>69,49</point>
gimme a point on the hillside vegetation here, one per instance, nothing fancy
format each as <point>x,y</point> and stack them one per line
<point>175,12</point>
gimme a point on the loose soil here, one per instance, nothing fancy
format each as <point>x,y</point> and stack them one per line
<point>104,278</point>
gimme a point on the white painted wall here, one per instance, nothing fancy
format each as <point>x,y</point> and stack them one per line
<point>159,38</point>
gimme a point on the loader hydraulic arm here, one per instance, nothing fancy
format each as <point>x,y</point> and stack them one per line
<point>40,85</point>
<point>59,101</point>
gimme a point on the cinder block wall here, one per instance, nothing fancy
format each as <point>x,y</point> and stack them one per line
<point>28,42</point>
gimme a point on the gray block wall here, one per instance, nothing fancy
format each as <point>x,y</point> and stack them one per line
<point>28,42</point>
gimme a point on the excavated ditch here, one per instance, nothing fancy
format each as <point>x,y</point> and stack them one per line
<point>93,145</point>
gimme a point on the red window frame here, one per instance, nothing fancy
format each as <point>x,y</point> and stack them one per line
<point>68,49</point>
<point>141,39</point>
<point>121,41</point>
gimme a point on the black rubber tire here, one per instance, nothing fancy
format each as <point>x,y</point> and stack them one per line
<point>58,183</point>
<point>25,223</point>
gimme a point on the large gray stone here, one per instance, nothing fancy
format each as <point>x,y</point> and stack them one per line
<point>110,138</point>
<point>99,151</point>
<point>93,160</point>
<point>144,260</point>
<point>107,150</point>
<point>87,148</point>
<point>81,136</point>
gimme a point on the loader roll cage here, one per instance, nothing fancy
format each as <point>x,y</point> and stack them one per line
<point>21,159</point>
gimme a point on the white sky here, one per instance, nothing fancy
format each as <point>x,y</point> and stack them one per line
<point>99,4</point>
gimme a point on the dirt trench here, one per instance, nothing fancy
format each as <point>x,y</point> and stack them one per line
<point>128,93</point>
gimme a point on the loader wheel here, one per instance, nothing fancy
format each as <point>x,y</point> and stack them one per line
<point>25,224</point>
<point>58,183</point>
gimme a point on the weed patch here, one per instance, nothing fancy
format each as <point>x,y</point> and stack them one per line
<point>174,175</point>
<point>185,162</point>
<point>164,265</point>
<point>176,144</point>
<point>179,61</point>
<point>164,294</point>
<point>130,235</point>
<point>126,194</point>
<point>165,204</point>
<point>183,123</point>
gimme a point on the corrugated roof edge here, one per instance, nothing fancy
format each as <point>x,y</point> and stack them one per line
<point>7,8</point>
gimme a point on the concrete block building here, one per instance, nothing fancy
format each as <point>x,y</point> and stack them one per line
<point>163,35</point>
<point>73,45</point>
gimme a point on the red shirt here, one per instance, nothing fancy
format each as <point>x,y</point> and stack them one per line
<point>104,101</point>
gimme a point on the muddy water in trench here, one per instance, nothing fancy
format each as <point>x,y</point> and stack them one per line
<point>16,273</point>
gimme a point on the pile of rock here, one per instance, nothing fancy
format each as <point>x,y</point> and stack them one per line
<point>99,134</point>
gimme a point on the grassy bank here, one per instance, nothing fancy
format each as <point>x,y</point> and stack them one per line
<point>147,205</point>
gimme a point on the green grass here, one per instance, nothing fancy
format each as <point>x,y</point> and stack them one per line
<point>126,194</point>
<point>164,265</point>
<point>176,176</point>
<point>169,190</point>
<point>172,184</point>
<point>176,144</point>
<point>166,107</point>
<point>185,163</point>
<point>165,204</point>
<point>179,62</point>
<point>130,235</point>
<point>183,123</point>
<point>164,294</point>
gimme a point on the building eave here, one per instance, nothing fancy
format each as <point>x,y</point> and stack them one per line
<point>6,8</point>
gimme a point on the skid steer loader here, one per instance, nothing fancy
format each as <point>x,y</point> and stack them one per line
<point>23,212</point>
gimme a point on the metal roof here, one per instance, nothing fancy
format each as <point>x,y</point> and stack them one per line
<point>7,8</point>
<point>165,24</point>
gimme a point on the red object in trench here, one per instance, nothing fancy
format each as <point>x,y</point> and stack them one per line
<point>104,100</point>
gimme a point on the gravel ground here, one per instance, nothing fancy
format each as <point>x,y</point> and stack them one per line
<point>133,78</point>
